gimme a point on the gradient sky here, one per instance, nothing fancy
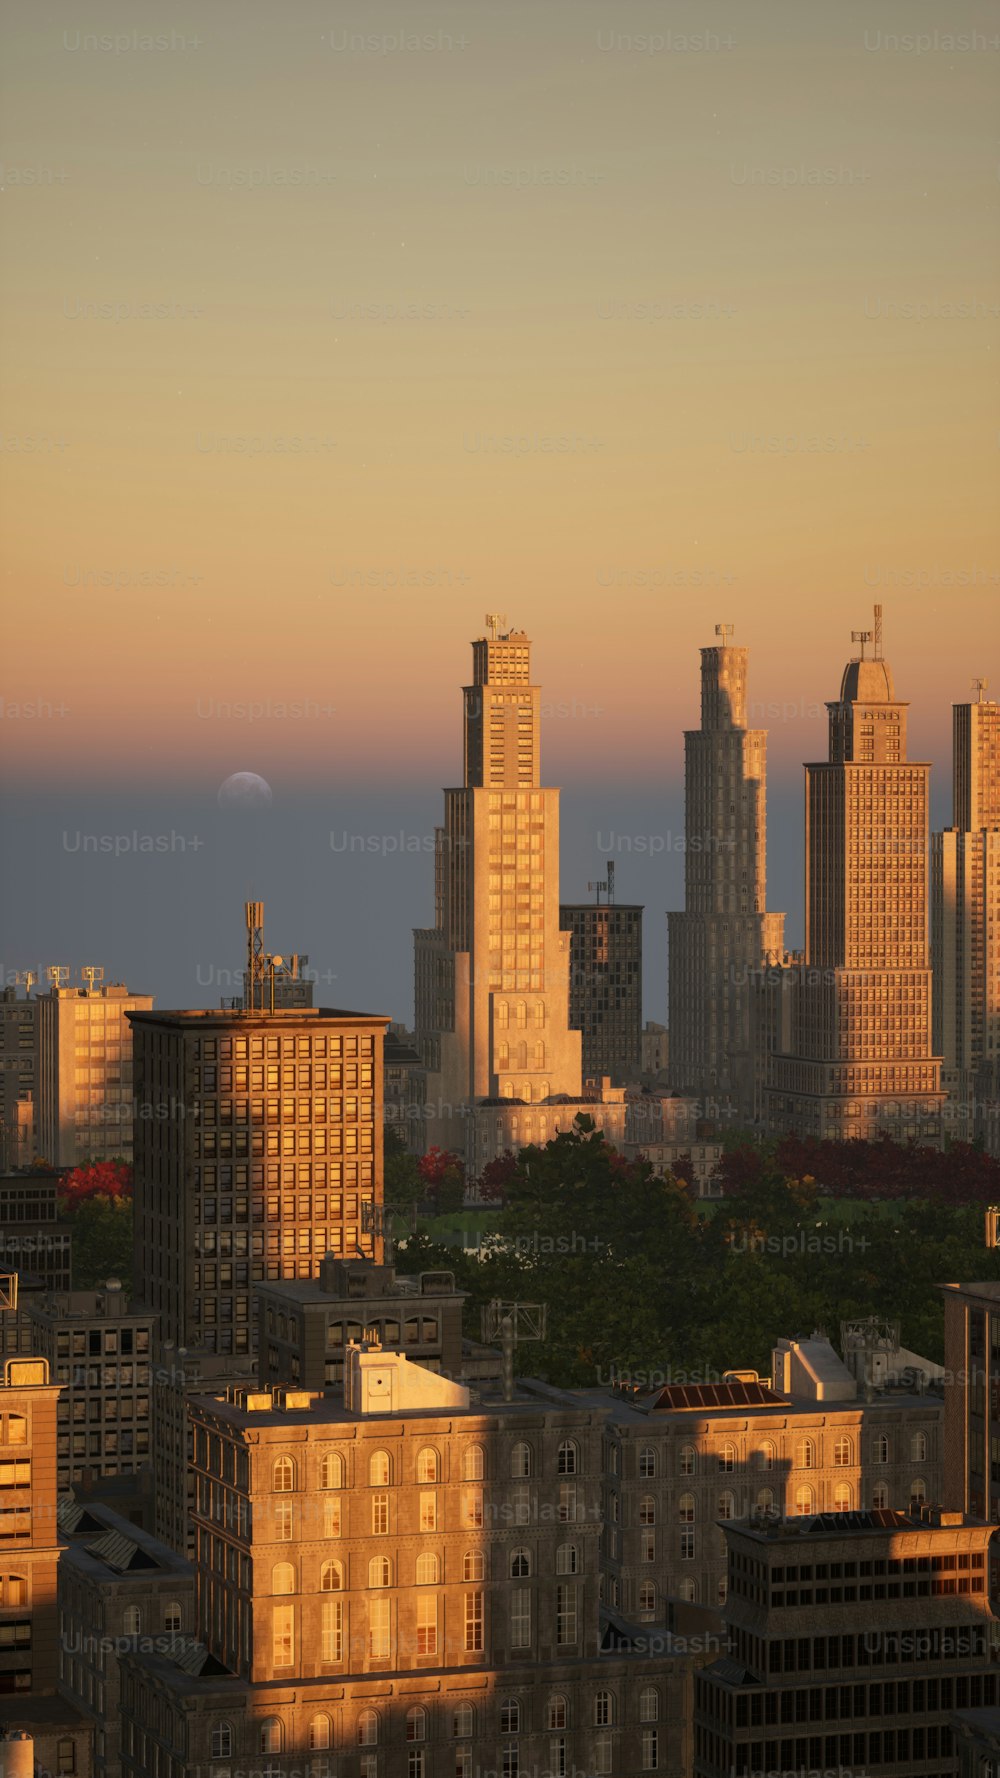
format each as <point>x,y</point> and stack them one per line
<point>708,330</point>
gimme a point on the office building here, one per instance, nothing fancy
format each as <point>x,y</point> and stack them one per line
<point>85,1089</point>
<point>725,933</point>
<point>18,1079</point>
<point>264,1141</point>
<point>33,1245</point>
<point>605,991</point>
<point>861,1061</point>
<point>98,1346</point>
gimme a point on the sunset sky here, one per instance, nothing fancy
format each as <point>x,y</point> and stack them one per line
<point>708,330</point>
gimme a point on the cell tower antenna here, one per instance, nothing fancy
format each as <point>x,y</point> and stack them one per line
<point>878,632</point>
<point>26,978</point>
<point>254,911</point>
<point>57,974</point>
<point>861,636</point>
<point>979,686</point>
<point>92,974</point>
<point>600,887</point>
<point>725,631</point>
<point>496,621</point>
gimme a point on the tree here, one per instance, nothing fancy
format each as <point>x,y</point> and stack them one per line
<point>443,1176</point>
<point>102,1240</point>
<point>403,1186</point>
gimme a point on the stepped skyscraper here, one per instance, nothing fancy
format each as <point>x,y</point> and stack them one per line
<point>725,936</point>
<point>861,1061</point>
<point>492,974</point>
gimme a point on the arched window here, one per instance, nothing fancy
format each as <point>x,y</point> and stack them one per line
<point>463,1723</point>
<point>427,1465</point>
<point>282,1578</point>
<point>428,1569</point>
<point>647,1463</point>
<point>727,1456</point>
<point>319,1732</point>
<point>472,1565</point>
<point>503,1014</point>
<point>379,1572</point>
<point>172,1616</point>
<point>727,1506</point>
<point>765,1500</point>
<point>132,1620</point>
<point>647,1597</point>
<point>416,1723</point>
<point>520,1564</point>
<point>843,1453</point>
<point>803,1500</point>
<point>918,1492</point>
<point>222,1740</point>
<point>722,1589</point>
<point>842,1501</point>
<point>566,1462</point>
<point>567,1561</point>
<point>649,1704</point>
<point>539,1061</point>
<point>331,1471</point>
<point>604,1709</point>
<point>510,1717</point>
<point>503,1054</point>
<point>805,1454</point>
<point>647,1510</point>
<point>522,1015</point>
<point>880,1449</point>
<point>918,1448</point>
<point>331,1578</point>
<point>687,1460</point>
<point>539,1012</point>
<point>520,1461</point>
<point>688,1592</point>
<point>765,1455</point>
<point>880,1496</point>
<point>472,1463</point>
<point>379,1469</point>
<point>272,1735</point>
<point>685,1509</point>
<point>557,1712</point>
<point>283,1477</point>
<point>368,1726</point>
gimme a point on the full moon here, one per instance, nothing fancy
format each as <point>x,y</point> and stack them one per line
<point>245,790</point>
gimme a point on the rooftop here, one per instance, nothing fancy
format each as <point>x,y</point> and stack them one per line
<point>873,1520</point>
<point>867,682</point>
<point>226,1020</point>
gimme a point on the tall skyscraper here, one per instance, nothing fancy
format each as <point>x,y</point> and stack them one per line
<point>965,915</point>
<point>605,992</point>
<point>258,1140</point>
<point>862,1061</point>
<point>725,934</point>
<point>85,1071</point>
<point>492,974</point>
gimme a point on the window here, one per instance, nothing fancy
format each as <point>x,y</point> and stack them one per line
<point>379,1572</point>
<point>427,1624</point>
<point>649,1704</point>
<point>687,1546</point>
<point>368,1728</point>
<point>378,1628</point>
<point>727,1456</point>
<point>685,1509</point>
<point>567,1502</point>
<point>520,1461</point>
<point>765,1500</point>
<point>319,1732</point>
<point>727,1506</point>
<point>331,1474</point>
<point>604,1710</point>
<point>567,1560</point>
<point>603,1754</point>
<point>331,1578</point>
<point>132,1620</point>
<point>557,1714</point>
<point>918,1448</point>
<point>565,1612</point>
<point>427,1465</point>
<point>472,1565</point>
<point>222,1740</point>
<point>647,1510</point>
<point>687,1460</point>
<point>473,1621</point>
<point>331,1517</point>
<point>805,1454</point>
<point>282,1578</point>
<point>650,1751</point>
<point>332,1630</point>
<point>272,1735</point>
<point>380,1515</point>
<point>880,1449</point>
<point>427,1573</point>
<point>647,1463</point>
<point>472,1463</point>
<point>520,1564</point>
<point>282,1635</point>
<point>765,1455</point>
<point>172,1616</point>
<point>284,1524</point>
<point>567,1460</point>
<point>283,1476</point>
<point>918,1492</point>
<point>520,1618</point>
<point>843,1453</point>
<point>803,1500</point>
<point>416,1723</point>
<point>842,1502</point>
<point>428,1512</point>
<point>880,1495</point>
<point>510,1717</point>
<point>463,1723</point>
<point>647,1600</point>
<point>472,1506</point>
<point>379,1469</point>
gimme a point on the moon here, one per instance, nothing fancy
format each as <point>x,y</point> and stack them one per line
<point>245,790</point>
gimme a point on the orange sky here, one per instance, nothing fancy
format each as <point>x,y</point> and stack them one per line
<point>704,333</point>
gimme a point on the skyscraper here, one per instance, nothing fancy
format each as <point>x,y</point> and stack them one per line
<point>862,1061</point>
<point>965,915</point>
<point>85,1071</point>
<point>724,934</point>
<point>605,995</point>
<point>492,974</point>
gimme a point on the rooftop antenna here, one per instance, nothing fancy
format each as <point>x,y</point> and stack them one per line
<point>863,636</point>
<point>496,621</point>
<point>605,888</point>
<point>57,974</point>
<point>878,633</point>
<point>725,631</point>
<point>92,974</point>
<point>979,686</point>
<point>26,978</point>
<point>254,911</point>
<point>512,1322</point>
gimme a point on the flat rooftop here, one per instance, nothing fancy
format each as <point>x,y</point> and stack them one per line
<point>290,1015</point>
<point>858,1524</point>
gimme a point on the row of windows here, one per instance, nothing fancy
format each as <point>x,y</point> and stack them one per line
<point>333,1471</point>
<point>807,1455</point>
<point>427,1572</point>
